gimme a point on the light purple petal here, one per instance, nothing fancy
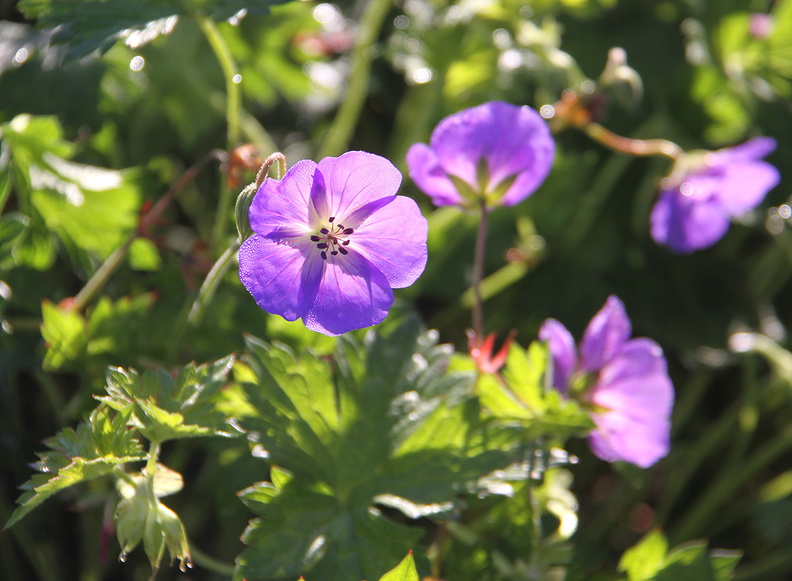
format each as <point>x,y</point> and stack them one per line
<point>636,396</point>
<point>605,335</point>
<point>352,295</point>
<point>355,179</point>
<point>685,223</point>
<point>745,185</point>
<point>427,174</point>
<point>282,277</point>
<point>753,149</point>
<point>282,206</point>
<point>393,240</point>
<point>562,350</point>
<point>458,143</point>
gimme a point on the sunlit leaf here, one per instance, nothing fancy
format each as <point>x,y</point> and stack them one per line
<point>404,571</point>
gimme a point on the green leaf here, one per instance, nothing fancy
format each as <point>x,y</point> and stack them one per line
<point>13,227</point>
<point>404,571</point>
<point>89,25</point>
<point>143,255</point>
<point>164,408</point>
<point>96,448</point>
<point>381,425</point>
<point>64,332</point>
<point>646,558</point>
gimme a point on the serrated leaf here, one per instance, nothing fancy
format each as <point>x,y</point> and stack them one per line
<point>91,451</point>
<point>165,408</point>
<point>89,25</point>
<point>384,422</point>
<point>404,571</point>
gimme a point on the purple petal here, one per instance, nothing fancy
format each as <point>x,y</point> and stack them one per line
<point>458,142</point>
<point>636,396</point>
<point>562,350</point>
<point>605,335</point>
<point>355,179</point>
<point>518,144</point>
<point>746,184</point>
<point>353,294</point>
<point>393,239</point>
<point>282,277</point>
<point>685,223</point>
<point>282,206</point>
<point>427,174</point>
<point>753,149</point>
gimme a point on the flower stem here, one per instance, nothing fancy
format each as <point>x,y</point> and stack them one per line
<point>210,563</point>
<point>631,146</point>
<point>340,132</point>
<point>478,270</point>
<point>210,284</point>
<point>233,113</point>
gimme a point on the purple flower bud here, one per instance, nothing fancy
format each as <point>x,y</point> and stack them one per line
<point>331,241</point>
<point>695,212</point>
<point>496,151</point>
<point>631,395</point>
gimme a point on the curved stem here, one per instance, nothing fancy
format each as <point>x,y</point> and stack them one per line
<point>630,146</point>
<point>478,270</point>
<point>210,563</point>
<point>210,284</point>
<point>344,124</point>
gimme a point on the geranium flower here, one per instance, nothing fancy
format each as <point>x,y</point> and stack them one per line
<point>496,151</point>
<point>695,212</point>
<point>331,240</point>
<point>623,380</point>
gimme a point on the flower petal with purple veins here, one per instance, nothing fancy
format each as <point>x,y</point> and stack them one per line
<point>283,278</point>
<point>352,294</point>
<point>562,351</point>
<point>393,239</point>
<point>605,335</point>
<point>285,203</point>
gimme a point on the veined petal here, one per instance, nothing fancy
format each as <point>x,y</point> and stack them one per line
<point>353,294</point>
<point>605,335</point>
<point>635,396</point>
<point>562,350</point>
<point>458,143</point>
<point>688,223</point>
<point>355,179</point>
<point>426,172</point>
<point>284,205</point>
<point>283,277</point>
<point>393,239</point>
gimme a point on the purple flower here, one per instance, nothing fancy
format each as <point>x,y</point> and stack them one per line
<point>496,151</point>
<point>331,242</point>
<point>630,393</point>
<point>696,212</point>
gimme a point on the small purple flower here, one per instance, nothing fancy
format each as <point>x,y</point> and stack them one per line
<point>496,151</point>
<point>630,393</point>
<point>331,240</point>
<point>696,212</point>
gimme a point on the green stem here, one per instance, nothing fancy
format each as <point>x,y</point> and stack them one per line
<point>210,563</point>
<point>233,114</point>
<point>210,284</point>
<point>340,132</point>
<point>478,270</point>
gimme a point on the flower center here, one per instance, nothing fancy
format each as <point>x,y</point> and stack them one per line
<point>332,239</point>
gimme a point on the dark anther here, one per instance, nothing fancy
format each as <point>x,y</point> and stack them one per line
<point>324,231</point>
<point>343,250</point>
<point>348,231</point>
<point>331,219</point>
<point>340,226</point>
<point>315,239</point>
<point>346,242</point>
<point>321,245</point>
<point>334,252</point>
<point>323,254</point>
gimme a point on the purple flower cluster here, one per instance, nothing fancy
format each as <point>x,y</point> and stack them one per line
<point>331,241</point>
<point>695,212</point>
<point>625,381</point>
<point>496,152</point>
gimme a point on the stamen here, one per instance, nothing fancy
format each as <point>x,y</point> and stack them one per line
<point>334,252</point>
<point>349,231</point>
<point>323,254</point>
<point>346,242</point>
<point>315,239</point>
<point>343,250</point>
<point>340,226</point>
<point>331,219</point>
<point>321,245</point>
<point>324,231</point>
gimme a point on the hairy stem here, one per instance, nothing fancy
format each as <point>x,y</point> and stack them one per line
<point>478,270</point>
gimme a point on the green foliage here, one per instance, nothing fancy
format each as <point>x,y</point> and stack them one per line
<point>383,426</point>
<point>94,449</point>
<point>404,571</point>
<point>98,24</point>
<point>651,560</point>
